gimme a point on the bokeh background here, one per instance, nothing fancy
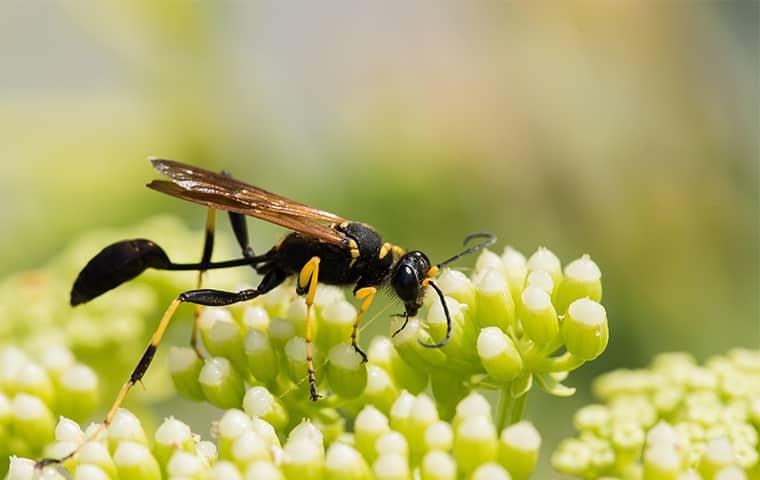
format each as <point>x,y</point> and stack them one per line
<point>626,130</point>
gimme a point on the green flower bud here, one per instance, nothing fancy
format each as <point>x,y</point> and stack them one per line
<point>280,332</point>
<point>544,259</point>
<point>517,270</point>
<point>32,420</point>
<point>297,317</point>
<point>380,390</point>
<point>56,359</point>
<point>266,431</point>
<point>448,390</point>
<point>422,415</point>
<point>718,455</point>
<point>382,354</point>
<point>337,321</point>
<point>125,427</point>
<point>458,351</point>
<point>518,449</point>
<point>67,430</point>
<point>540,280</point>
<point>32,379</point>
<point>475,443</point>
<point>438,465</point>
<point>473,405</point>
<point>172,435</point>
<point>537,315</point>
<point>593,418</point>
<point>209,316</point>
<point>185,368</point>
<point>490,471</point>
<point>221,384</point>
<point>495,304</point>
<point>308,430</point>
<point>263,471</point>
<point>259,402</point>
<point>572,457</point>
<point>400,414</point>
<point>343,462</point>
<point>225,339</point>
<point>439,436</point>
<point>410,350</point>
<point>248,448</point>
<point>369,426</point>
<point>96,453</point>
<point>78,392</point>
<point>488,260</point>
<point>627,439</point>
<point>392,443</point>
<point>391,466</point>
<point>133,460</point>
<point>456,285</point>
<point>585,329</point>
<point>731,473</point>
<point>256,317</point>
<point>296,365</point>
<point>12,359</point>
<point>262,361</point>
<point>90,472</point>
<point>499,355</point>
<point>225,470</point>
<point>303,459</point>
<point>232,424</point>
<point>186,465</point>
<point>20,468</point>
<point>662,462</point>
<point>61,450</point>
<point>346,373</point>
<point>583,279</point>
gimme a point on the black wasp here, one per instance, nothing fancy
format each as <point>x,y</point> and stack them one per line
<point>322,247</point>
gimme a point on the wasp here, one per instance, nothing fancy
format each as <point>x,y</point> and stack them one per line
<point>322,247</point>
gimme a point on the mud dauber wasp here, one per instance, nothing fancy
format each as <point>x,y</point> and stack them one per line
<point>322,247</point>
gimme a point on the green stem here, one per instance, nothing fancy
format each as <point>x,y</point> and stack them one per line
<point>519,406</point>
<point>505,407</point>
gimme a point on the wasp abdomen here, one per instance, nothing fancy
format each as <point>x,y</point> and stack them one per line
<point>114,265</point>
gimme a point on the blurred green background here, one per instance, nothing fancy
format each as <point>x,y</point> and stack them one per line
<point>626,130</point>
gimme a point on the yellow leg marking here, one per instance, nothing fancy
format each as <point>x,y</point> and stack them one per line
<point>309,275</point>
<point>367,294</point>
<point>208,246</point>
<point>136,376</point>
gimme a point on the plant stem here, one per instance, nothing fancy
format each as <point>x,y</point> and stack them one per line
<point>505,407</point>
<point>519,406</point>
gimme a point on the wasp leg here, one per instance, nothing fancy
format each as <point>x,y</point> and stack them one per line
<point>237,221</point>
<point>208,248</point>
<point>207,297</point>
<point>367,294</point>
<point>307,283</point>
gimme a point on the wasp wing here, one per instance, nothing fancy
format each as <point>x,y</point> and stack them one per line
<point>219,191</point>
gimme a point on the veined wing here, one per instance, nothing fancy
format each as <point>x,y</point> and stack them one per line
<point>219,191</point>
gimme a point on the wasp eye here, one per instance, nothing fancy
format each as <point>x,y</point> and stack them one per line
<point>406,283</point>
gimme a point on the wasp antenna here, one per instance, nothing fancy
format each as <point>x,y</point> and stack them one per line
<point>445,341</point>
<point>490,239</point>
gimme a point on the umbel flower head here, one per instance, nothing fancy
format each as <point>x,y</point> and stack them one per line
<point>411,442</point>
<point>675,419</point>
<point>509,318</point>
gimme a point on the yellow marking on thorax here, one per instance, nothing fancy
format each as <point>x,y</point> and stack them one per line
<point>397,251</point>
<point>384,250</point>
<point>354,249</point>
<point>434,270</point>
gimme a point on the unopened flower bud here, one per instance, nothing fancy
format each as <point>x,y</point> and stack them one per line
<point>222,385</point>
<point>264,471</point>
<point>538,317</point>
<point>343,462</point>
<point>439,436</point>
<point>337,321</point>
<point>518,449</point>
<point>718,455</point>
<point>438,465</point>
<point>32,420</point>
<point>225,470</point>
<point>172,435</point>
<point>490,471</point>
<point>585,329</point>
<point>259,402</point>
<point>380,390</point>
<point>392,442</point>
<point>517,270</point>
<point>185,368</point>
<point>233,424</point>
<point>262,361</point>
<point>78,392</point>
<point>369,426</point>
<point>455,284</point>
<point>225,339</point>
<point>541,280</point>
<point>499,355</point>
<point>183,464</point>
<point>544,259</point>
<point>256,317</point>
<point>475,443</point>
<point>582,279</point>
<point>422,415</point>
<point>495,304</point>
<point>248,448</point>
<point>303,459</point>
<point>391,466</point>
<point>133,460</point>
<point>90,472</point>
<point>346,373</point>
<point>32,379</point>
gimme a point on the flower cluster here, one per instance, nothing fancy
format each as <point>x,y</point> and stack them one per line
<point>111,332</point>
<point>509,318</point>
<point>32,391</point>
<point>410,442</point>
<point>673,420</point>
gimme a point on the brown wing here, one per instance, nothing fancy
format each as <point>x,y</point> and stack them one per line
<point>222,192</point>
